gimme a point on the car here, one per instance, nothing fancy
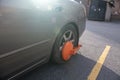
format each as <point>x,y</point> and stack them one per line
<point>32,32</point>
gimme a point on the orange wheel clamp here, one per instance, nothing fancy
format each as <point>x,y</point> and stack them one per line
<point>69,50</point>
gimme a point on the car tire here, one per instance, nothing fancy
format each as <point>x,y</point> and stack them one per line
<point>64,36</point>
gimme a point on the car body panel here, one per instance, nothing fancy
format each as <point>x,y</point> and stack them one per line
<point>28,32</point>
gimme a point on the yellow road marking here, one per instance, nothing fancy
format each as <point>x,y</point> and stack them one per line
<point>96,69</point>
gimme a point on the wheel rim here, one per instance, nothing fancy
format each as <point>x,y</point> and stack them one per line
<point>67,36</point>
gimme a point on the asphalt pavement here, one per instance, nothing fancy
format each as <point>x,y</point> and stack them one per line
<point>94,40</point>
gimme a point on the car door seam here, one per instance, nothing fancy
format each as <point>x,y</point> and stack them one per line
<point>23,48</point>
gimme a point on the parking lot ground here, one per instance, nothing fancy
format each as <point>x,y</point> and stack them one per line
<point>94,41</point>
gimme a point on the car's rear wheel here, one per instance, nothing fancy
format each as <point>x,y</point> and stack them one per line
<point>68,33</point>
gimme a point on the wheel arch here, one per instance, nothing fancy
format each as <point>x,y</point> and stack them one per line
<point>59,33</point>
<point>76,27</point>
<point>55,37</point>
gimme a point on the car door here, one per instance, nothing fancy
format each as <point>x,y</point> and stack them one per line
<point>25,34</point>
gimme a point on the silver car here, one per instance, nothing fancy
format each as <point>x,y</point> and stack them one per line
<point>33,32</point>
